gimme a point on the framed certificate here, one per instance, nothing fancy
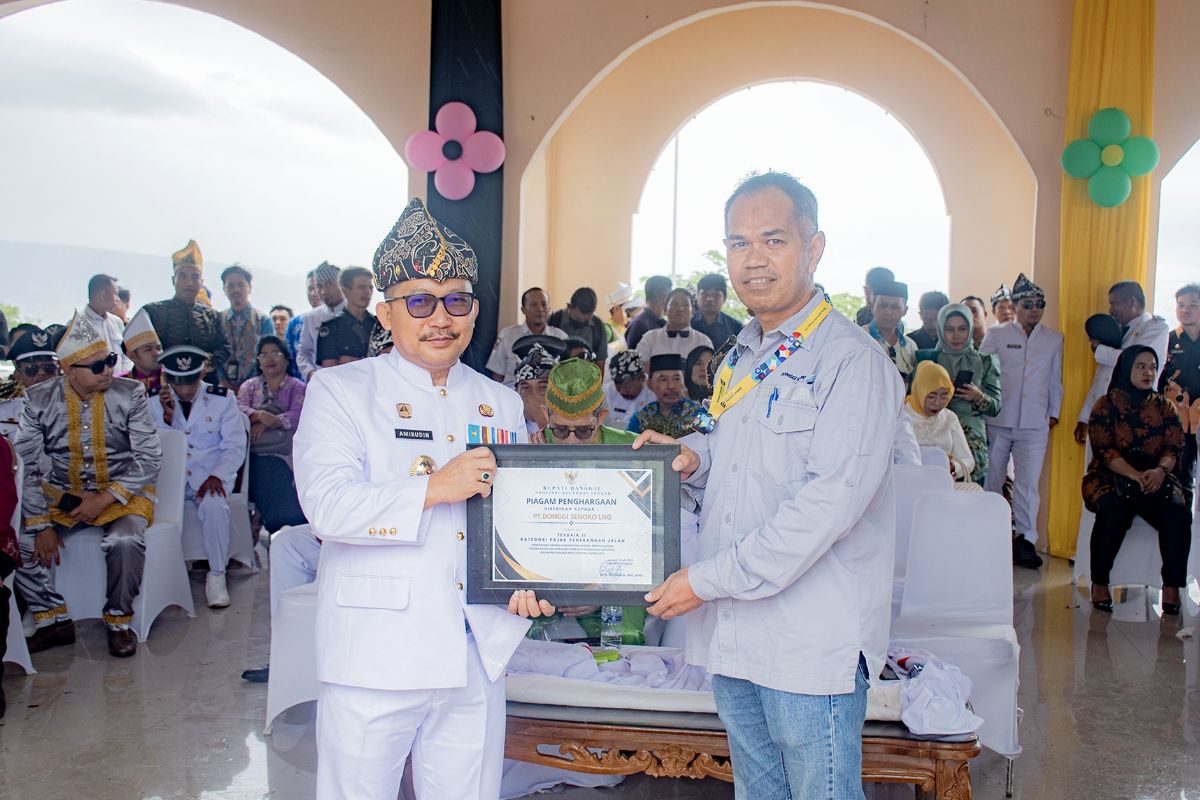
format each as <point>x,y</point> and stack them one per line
<point>578,524</point>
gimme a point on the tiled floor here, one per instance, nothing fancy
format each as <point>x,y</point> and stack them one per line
<point>1112,710</point>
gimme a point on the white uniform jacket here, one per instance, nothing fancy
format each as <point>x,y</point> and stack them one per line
<point>391,587</point>
<point>216,435</point>
<point>1148,330</point>
<point>1030,374</point>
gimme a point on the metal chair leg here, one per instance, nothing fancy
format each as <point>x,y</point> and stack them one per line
<point>1008,780</point>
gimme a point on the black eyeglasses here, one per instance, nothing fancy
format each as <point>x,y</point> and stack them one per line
<point>582,433</point>
<point>48,368</point>
<point>420,306</point>
<point>1030,305</point>
<point>98,367</point>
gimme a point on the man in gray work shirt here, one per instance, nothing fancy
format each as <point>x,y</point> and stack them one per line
<point>790,593</point>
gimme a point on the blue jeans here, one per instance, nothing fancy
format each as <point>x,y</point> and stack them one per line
<point>786,745</point>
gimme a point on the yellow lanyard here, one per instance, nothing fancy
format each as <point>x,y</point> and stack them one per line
<point>724,397</point>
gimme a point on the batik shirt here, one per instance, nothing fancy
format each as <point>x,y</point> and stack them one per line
<point>676,421</point>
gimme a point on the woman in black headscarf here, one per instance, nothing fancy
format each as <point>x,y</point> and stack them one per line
<point>1137,440</point>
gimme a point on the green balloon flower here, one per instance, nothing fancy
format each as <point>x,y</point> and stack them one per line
<point>1109,156</point>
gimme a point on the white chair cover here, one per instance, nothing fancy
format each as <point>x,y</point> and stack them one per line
<point>957,602</point>
<point>81,577</point>
<point>911,483</point>
<point>1139,561</point>
<point>935,457</point>
<point>293,676</point>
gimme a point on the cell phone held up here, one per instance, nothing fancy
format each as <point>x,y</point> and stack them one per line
<point>963,377</point>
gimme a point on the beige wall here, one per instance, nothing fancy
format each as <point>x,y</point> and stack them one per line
<point>603,151</point>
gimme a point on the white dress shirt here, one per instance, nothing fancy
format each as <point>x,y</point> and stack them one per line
<point>659,341</point>
<point>798,518</point>
<point>306,354</point>
<point>1147,330</point>
<point>391,598</point>
<point>1030,374</point>
<point>503,361</point>
<point>113,330</point>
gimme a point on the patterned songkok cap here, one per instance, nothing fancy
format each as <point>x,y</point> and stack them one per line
<point>625,365</point>
<point>1001,294</point>
<point>537,363</point>
<point>189,256</point>
<point>1026,288</point>
<point>81,341</point>
<point>576,388</point>
<point>421,247</point>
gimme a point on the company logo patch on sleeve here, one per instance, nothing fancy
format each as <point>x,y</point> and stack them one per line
<point>482,434</point>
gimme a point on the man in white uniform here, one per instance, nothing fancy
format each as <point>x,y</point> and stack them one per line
<point>1127,305</point>
<point>332,304</point>
<point>1030,357</point>
<point>216,436</point>
<point>677,336</point>
<point>34,362</point>
<point>383,473</point>
<point>535,305</point>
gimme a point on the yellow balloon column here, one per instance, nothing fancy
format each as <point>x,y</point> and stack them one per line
<point>1112,66</point>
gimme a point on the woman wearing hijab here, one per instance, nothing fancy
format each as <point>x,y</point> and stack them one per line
<point>935,425</point>
<point>975,377</point>
<point>1137,441</point>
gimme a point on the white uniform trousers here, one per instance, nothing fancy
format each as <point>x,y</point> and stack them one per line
<point>456,737</point>
<point>295,554</point>
<point>213,510</point>
<point>1027,446</point>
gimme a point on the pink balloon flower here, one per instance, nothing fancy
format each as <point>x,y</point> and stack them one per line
<point>455,151</point>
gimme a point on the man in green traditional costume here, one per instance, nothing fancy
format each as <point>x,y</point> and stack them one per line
<point>576,410</point>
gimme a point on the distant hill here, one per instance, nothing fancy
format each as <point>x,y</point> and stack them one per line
<point>47,281</point>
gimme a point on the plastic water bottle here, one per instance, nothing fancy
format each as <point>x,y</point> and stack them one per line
<point>610,626</point>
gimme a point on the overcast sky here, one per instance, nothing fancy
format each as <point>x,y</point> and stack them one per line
<point>135,126</point>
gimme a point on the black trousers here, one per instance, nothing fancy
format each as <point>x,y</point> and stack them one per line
<point>1114,515</point>
<point>6,568</point>
<point>273,492</point>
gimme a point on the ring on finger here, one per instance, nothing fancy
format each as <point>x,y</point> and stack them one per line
<point>485,476</point>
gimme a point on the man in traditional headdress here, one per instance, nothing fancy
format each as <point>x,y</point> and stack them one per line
<point>1030,355</point>
<point>626,392</point>
<point>104,456</point>
<point>672,413</point>
<point>142,345</point>
<point>383,472</point>
<point>216,437</point>
<point>34,362</point>
<point>532,377</point>
<point>1002,305</point>
<point>185,320</point>
<point>333,302</point>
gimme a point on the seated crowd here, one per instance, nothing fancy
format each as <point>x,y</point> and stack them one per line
<point>82,406</point>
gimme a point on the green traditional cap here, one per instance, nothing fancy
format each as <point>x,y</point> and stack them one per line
<point>576,388</point>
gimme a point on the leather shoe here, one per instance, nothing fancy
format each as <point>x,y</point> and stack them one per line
<point>1024,553</point>
<point>257,675</point>
<point>60,633</point>
<point>122,643</point>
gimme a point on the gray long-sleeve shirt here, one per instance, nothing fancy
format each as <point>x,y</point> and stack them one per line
<point>797,527</point>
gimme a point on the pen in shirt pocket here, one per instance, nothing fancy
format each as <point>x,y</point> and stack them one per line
<point>771,400</point>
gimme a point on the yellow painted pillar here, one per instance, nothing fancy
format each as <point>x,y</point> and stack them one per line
<point>1112,65</point>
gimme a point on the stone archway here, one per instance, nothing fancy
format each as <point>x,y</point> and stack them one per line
<point>584,182</point>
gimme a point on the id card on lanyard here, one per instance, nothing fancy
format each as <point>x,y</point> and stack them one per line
<point>725,396</point>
